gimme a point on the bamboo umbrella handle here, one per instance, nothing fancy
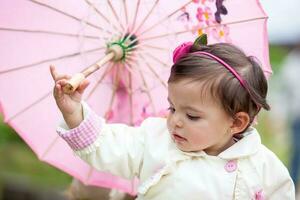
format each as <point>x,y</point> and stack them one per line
<point>114,53</point>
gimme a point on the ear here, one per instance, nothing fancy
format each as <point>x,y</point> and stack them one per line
<point>240,122</point>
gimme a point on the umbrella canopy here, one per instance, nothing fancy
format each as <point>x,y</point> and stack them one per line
<point>75,34</point>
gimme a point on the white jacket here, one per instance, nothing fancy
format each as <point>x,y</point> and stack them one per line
<point>246,170</point>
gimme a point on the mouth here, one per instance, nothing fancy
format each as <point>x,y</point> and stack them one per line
<point>178,138</point>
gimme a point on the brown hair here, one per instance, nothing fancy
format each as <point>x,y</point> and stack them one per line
<point>222,84</point>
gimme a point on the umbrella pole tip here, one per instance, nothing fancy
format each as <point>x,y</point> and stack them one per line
<point>73,83</point>
<point>68,89</point>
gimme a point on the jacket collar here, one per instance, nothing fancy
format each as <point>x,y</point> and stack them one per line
<point>244,147</point>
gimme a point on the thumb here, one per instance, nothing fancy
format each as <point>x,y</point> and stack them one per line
<point>83,86</point>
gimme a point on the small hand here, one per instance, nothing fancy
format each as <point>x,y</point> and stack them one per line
<point>69,105</point>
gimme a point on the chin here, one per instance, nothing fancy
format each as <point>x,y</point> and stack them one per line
<point>181,148</point>
<point>184,149</point>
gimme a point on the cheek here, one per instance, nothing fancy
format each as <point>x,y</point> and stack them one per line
<point>200,136</point>
<point>197,137</point>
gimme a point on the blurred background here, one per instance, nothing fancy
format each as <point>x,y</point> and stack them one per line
<point>20,170</point>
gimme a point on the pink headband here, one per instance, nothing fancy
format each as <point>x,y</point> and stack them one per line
<point>184,48</point>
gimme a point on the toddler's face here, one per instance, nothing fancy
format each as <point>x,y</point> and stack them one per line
<point>196,122</point>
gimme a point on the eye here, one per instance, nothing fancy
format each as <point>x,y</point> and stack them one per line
<point>171,109</point>
<point>193,118</point>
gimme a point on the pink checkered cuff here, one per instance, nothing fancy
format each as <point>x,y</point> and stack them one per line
<point>85,134</point>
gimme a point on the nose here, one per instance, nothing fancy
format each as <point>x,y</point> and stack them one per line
<point>179,124</point>
<point>177,121</point>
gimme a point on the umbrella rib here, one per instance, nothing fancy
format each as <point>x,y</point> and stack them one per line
<point>68,15</point>
<point>28,107</point>
<point>147,46</point>
<point>206,27</point>
<point>125,12</point>
<point>47,32</point>
<point>238,22</point>
<point>107,70</point>
<point>130,98</point>
<point>147,90</point>
<point>115,87</point>
<point>115,14</point>
<point>49,60</point>
<point>153,47</point>
<point>164,19</point>
<point>129,91</point>
<point>153,71</point>
<point>143,21</point>
<point>135,13</point>
<point>130,69</point>
<point>165,35</point>
<point>102,15</point>
<point>168,16</point>
<point>146,17</point>
<point>156,59</point>
<point>44,154</point>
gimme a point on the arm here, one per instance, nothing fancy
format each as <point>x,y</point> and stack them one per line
<point>115,148</point>
<point>283,190</point>
<point>121,146</point>
<point>277,181</point>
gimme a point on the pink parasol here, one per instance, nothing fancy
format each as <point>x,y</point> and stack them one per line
<point>75,34</point>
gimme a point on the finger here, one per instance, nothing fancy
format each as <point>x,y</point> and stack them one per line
<point>83,86</point>
<point>53,72</point>
<point>58,91</point>
<point>62,82</point>
<point>63,76</point>
<point>57,76</point>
